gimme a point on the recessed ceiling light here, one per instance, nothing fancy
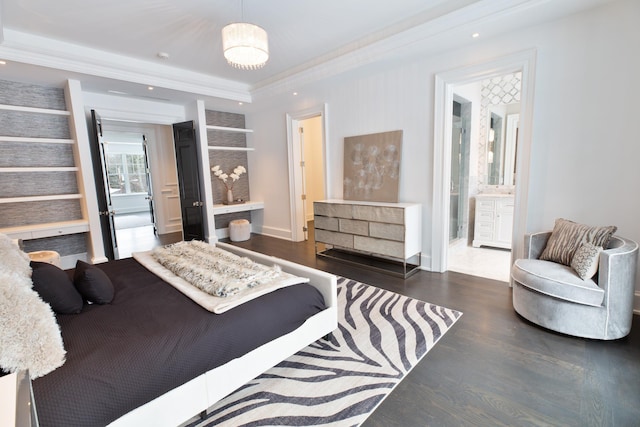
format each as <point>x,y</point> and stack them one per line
<point>150,87</point>
<point>163,55</point>
<point>240,103</point>
<point>475,35</point>
<point>3,62</point>
<point>295,93</point>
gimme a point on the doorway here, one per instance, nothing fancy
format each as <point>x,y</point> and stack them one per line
<point>446,85</point>
<point>138,174</point>
<point>307,168</point>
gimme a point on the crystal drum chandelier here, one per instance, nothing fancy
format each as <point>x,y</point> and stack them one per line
<point>245,45</point>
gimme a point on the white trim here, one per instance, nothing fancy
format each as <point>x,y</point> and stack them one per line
<point>40,169</point>
<point>36,140</point>
<point>228,129</point>
<point>40,198</point>
<point>278,233</point>
<point>444,82</point>
<point>34,110</point>
<point>295,191</point>
<point>223,148</point>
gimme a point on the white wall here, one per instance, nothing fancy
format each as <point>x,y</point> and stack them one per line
<point>584,149</point>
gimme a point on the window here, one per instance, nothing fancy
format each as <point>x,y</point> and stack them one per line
<point>126,173</point>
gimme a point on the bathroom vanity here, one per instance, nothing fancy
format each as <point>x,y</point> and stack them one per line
<point>493,220</point>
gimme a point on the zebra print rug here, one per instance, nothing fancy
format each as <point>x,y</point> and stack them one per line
<point>381,336</point>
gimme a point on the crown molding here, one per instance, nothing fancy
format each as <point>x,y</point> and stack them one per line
<point>41,51</point>
<point>425,37</point>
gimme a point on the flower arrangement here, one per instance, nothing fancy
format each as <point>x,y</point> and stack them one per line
<point>235,175</point>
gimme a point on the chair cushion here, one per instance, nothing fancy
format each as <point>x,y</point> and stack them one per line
<point>556,280</point>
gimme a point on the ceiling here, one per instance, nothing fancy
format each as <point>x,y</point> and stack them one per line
<point>114,45</point>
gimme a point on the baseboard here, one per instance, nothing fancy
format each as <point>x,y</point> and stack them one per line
<point>278,233</point>
<point>425,262</point>
<point>636,302</point>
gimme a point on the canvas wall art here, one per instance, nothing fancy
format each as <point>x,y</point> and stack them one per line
<point>372,167</point>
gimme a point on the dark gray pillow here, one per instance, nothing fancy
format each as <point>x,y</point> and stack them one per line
<point>55,288</point>
<point>92,283</point>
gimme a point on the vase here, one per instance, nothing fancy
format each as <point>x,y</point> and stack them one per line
<point>229,196</point>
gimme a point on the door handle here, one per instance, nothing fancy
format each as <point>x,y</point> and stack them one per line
<point>198,204</point>
<point>148,198</point>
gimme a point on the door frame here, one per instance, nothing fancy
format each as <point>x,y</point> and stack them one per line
<point>525,62</point>
<point>297,214</point>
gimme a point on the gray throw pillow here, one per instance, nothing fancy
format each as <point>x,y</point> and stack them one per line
<point>586,259</point>
<point>567,236</point>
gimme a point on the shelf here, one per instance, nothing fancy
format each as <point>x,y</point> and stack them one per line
<point>40,198</point>
<point>241,207</point>
<point>34,110</point>
<point>228,129</point>
<point>223,148</point>
<point>36,140</point>
<point>40,169</point>
<point>51,229</point>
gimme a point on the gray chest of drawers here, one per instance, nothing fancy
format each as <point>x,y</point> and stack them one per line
<point>392,231</point>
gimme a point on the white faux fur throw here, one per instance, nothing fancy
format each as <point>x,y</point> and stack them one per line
<point>29,333</point>
<point>214,278</point>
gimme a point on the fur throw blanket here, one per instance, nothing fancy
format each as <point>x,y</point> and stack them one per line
<point>214,278</point>
<point>29,333</point>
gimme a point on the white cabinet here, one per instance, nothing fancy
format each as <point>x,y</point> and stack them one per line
<point>388,230</point>
<point>494,220</point>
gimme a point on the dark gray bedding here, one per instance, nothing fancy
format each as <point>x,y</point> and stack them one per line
<point>151,339</point>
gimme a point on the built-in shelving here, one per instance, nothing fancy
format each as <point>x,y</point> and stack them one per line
<point>228,129</point>
<point>223,148</point>
<point>41,169</point>
<point>40,198</point>
<point>34,110</point>
<point>36,140</point>
<point>240,207</point>
<point>38,231</point>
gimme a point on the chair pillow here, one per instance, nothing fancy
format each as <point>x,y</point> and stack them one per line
<point>92,283</point>
<point>55,288</point>
<point>567,236</point>
<point>586,259</point>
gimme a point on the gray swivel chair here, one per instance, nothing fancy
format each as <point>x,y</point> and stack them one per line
<point>553,296</point>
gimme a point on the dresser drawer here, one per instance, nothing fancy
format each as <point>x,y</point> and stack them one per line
<point>485,205</point>
<point>379,246</point>
<point>334,238</point>
<point>379,214</point>
<point>333,210</point>
<point>485,216</point>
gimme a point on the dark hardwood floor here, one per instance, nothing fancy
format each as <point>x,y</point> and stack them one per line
<point>494,368</point>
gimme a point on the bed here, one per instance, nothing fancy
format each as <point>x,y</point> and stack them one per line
<point>154,357</point>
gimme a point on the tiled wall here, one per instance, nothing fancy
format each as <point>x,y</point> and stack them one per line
<point>504,89</point>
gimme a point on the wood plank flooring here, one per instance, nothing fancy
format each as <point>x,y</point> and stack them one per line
<point>494,368</point>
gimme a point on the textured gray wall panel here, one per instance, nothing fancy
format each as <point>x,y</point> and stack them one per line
<point>17,123</point>
<point>21,154</point>
<point>17,214</point>
<point>221,118</point>
<point>222,221</point>
<point>21,184</point>
<point>29,95</point>
<point>69,244</point>
<point>228,160</point>
<point>226,139</point>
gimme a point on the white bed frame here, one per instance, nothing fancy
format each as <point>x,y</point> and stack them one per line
<point>190,399</point>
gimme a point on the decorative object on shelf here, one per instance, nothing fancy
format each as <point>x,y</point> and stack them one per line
<point>372,167</point>
<point>245,45</point>
<point>235,175</point>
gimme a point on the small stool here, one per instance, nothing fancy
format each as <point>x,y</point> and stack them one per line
<point>239,230</point>
<point>50,257</point>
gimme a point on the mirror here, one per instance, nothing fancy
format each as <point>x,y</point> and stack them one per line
<point>502,143</point>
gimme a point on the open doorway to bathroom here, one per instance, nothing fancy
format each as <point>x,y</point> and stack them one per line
<point>485,117</point>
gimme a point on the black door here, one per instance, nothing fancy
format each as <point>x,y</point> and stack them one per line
<point>184,137</point>
<point>147,172</point>
<point>101,177</point>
